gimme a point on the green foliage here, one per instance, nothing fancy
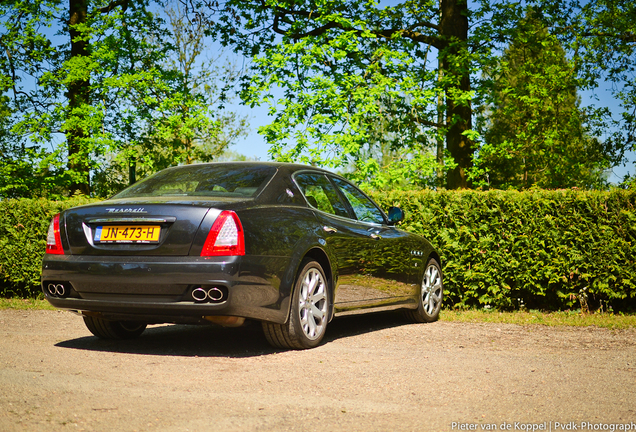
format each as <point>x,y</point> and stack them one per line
<point>93,91</point>
<point>345,79</point>
<point>399,169</point>
<point>74,72</point>
<point>191,124</point>
<point>25,304</point>
<point>535,249</point>
<point>23,228</point>
<point>600,35</point>
<point>553,250</point>
<point>536,133</point>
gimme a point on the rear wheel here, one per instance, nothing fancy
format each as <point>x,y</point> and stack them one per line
<point>309,312</point>
<point>105,329</point>
<point>431,294</point>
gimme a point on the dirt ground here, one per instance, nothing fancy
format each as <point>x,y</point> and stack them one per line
<point>373,373</point>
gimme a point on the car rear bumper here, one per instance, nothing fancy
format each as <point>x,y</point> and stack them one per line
<point>154,289</point>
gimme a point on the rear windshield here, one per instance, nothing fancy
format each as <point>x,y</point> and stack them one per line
<point>213,180</point>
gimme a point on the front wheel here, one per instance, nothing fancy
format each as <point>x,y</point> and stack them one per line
<point>105,329</point>
<point>430,296</point>
<point>309,312</point>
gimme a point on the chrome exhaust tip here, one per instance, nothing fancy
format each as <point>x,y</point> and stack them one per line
<point>199,294</point>
<point>215,294</point>
<point>60,290</point>
<point>51,289</point>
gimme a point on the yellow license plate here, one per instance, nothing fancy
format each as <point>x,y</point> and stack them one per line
<point>128,233</point>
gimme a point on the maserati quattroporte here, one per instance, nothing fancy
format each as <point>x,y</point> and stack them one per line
<point>289,246</point>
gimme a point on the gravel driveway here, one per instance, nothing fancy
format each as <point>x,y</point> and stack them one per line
<point>373,373</point>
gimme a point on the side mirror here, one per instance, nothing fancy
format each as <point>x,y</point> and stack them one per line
<point>396,215</point>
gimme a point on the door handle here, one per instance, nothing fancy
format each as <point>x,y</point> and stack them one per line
<point>329,229</point>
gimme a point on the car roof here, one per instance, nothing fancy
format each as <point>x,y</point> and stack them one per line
<point>285,165</point>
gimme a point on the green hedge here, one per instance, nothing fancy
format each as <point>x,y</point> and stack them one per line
<point>533,249</point>
<point>23,227</point>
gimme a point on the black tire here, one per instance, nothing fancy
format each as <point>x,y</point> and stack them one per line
<point>431,295</point>
<point>105,329</point>
<point>309,312</point>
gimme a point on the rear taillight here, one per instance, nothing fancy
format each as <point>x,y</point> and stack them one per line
<point>225,237</point>
<point>53,237</point>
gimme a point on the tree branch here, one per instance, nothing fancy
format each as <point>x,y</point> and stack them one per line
<point>281,14</point>
<point>415,36</point>
<point>113,5</point>
<point>625,37</point>
<point>426,24</point>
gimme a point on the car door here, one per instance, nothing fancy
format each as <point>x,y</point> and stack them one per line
<point>344,236</point>
<point>389,277</point>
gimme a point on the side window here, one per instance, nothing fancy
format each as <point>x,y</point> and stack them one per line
<point>321,194</point>
<point>362,206</point>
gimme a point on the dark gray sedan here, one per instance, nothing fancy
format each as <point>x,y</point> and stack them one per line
<point>288,245</point>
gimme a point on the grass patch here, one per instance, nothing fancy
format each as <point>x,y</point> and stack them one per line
<point>566,318</point>
<point>24,304</point>
<point>532,317</point>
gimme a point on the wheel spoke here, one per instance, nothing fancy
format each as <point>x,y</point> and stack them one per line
<point>311,325</point>
<point>435,297</point>
<point>427,303</point>
<point>316,312</point>
<point>310,283</point>
<point>318,297</point>
<point>430,305</point>
<point>432,275</point>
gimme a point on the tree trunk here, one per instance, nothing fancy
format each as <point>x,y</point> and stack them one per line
<point>78,94</point>
<point>440,139</point>
<point>456,67</point>
<point>132,170</point>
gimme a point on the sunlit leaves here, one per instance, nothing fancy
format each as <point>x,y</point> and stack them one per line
<point>332,72</point>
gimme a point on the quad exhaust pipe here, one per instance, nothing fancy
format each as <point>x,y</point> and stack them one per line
<point>214,295</point>
<point>57,290</point>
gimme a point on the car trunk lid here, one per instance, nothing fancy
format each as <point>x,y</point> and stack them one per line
<point>142,227</point>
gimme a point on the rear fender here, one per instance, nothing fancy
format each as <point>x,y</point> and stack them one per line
<point>316,251</point>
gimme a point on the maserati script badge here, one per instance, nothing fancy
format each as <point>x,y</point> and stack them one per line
<point>126,210</point>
